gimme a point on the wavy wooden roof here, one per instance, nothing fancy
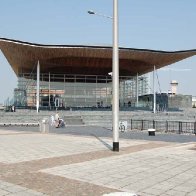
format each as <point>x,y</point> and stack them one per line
<point>88,60</point>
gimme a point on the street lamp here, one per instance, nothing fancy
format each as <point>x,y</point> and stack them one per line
<point>91,12</point>
<point>115,75</point>
<point>96,13</point>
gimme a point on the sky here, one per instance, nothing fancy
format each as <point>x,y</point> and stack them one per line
<point>151,24</point>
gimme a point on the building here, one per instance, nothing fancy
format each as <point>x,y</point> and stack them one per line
<point>79,75</point>
<point>194,101</point>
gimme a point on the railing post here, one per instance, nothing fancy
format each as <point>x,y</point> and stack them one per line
<point>153,124</point>
<point>195,128</point>
<point>166,126</point>
<point>131,124</point>
<point>180,127</point>
<point>142,125</point>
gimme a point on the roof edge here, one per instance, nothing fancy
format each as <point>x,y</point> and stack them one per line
<point>90,46</point>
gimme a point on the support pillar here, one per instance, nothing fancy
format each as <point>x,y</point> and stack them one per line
<point>154,91</point>
<point>38,86</point>
<point>96,92</point>
<point>49,104</point>
<point>137,91</point>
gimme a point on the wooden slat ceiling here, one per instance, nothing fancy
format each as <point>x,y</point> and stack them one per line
<point>88,60</point>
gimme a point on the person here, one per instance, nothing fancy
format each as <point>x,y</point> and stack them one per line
<point>61,123</point>
<point>13,108</point>
<point>56,118</point>
<point>52,121</point>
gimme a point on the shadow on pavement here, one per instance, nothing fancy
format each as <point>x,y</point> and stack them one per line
<point>103,142</point>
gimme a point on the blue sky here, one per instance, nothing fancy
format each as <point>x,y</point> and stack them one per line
<point>153,24</point>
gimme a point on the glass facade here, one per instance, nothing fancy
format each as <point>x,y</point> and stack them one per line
<point>61,90</point>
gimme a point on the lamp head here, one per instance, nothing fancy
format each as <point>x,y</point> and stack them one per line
<point>91,12</point>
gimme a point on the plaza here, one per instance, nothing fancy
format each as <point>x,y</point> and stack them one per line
<point>73,163</point>
<point>60,75</point>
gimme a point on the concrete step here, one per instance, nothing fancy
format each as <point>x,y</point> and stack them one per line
<point>73,120</point>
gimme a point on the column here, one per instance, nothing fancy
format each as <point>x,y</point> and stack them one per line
<point>137,91</point>
<point>154,91</point>
<point>38,86</point>
<point>49,91</point>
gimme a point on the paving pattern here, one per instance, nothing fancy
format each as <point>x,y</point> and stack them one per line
<point>154,172</point>
<point>26,147</point>
<point>64,164</point>
<point>12,190</point>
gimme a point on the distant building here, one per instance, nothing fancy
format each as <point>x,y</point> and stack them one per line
<point>194,101</point>
<point>166,101</point>
<point>174,85</point>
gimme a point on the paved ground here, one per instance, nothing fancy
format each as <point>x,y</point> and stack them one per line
<point>81,162</point>
<point>104,132</point>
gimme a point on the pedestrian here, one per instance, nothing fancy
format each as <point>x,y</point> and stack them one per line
<point>13,108</point>
<point>52,121</point>
<point>56,118</point>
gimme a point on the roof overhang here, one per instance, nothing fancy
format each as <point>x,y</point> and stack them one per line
<point>87,60</point>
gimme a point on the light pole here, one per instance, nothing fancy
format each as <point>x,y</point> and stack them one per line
<point>115,75</point>
<point>115,78</point>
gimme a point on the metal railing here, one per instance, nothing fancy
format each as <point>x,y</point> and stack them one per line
<point>164,126</point>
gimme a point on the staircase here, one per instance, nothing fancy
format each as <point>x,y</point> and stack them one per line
<point>90,118</point>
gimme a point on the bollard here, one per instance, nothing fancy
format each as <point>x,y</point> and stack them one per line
<point>153,124</point>
<point>44,125</point>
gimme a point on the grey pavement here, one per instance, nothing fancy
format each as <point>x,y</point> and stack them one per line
<point>104,132</point>
<point>162,171</point>
<point>79,161</point>
<point>16,190</point>
<point>19,147</point>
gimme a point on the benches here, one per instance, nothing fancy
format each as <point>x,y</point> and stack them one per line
<point>151,132</point>
<point>19,124</point>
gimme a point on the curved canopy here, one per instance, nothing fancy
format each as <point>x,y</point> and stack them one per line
<point>87,60</point>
